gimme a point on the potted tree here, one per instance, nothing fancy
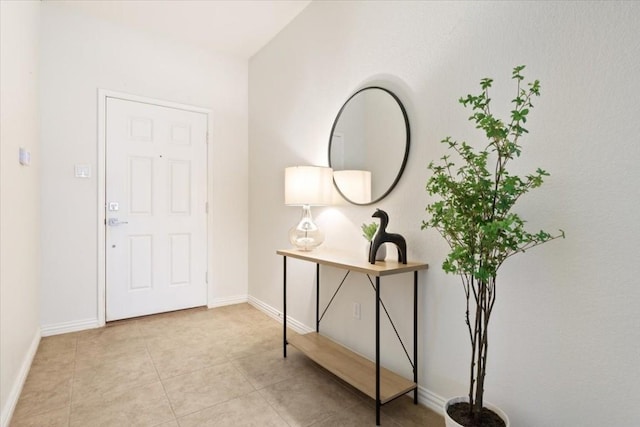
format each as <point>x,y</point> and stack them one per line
<point>473,211</point>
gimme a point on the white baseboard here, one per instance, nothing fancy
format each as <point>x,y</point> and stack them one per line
<point>65,327</point>
<point>81,325</point>
<point>431,400</point>
<point>16,388</point>
<point>221,302</point>
<point>297,326</point>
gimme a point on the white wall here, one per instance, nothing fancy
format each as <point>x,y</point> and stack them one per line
<point>565,342</point>
<point>79,55</point>
<point>19,198</point>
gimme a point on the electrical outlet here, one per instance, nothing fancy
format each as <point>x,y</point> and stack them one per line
<point>356,310</point>
<point>24,157</point>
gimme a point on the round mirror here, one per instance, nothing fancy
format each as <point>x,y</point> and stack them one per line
<point>369,145</point>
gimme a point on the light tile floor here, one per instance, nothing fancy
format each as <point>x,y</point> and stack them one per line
<point>218,367</point>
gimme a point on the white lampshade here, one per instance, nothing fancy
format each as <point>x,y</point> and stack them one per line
<point>355,185</point>
<point>308,185</point>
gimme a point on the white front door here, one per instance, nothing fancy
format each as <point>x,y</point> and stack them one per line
<point>156,195</point>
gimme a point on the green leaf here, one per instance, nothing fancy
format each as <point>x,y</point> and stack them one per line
<point>475,192</point>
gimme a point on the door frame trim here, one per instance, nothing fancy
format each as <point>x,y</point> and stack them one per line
<point>103,95</point>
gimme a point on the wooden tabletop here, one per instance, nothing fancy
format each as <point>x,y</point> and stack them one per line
<point>353,262</point>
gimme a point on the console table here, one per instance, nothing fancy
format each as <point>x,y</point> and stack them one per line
<point>379,383</point>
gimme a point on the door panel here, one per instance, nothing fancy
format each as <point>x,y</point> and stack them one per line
<point>180,259</point>
<point>140,185</point>
<point>156,191</point>
<point>180,185</point>
<point>140,262</point>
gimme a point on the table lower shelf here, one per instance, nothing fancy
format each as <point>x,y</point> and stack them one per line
<point>351,367</point>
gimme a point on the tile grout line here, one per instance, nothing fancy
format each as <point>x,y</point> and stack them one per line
<point>257,390</point>
<point>217,403</point>
<point>176,418</point>
<point>274,409</point>
<point>73,380</point>
<point>317,369</point>
<point>166,395</point>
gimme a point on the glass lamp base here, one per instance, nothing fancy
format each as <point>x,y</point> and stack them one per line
<point>305,241</point>
<point>306,236</point>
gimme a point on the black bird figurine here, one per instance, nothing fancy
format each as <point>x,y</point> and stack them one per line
<point>382,237</point>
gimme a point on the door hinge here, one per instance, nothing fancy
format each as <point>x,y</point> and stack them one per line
<point>206,277</point>
<point>206,207</point>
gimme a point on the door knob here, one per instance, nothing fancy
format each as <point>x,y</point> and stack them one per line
<point>114,221</point>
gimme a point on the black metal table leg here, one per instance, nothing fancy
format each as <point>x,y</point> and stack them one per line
<point>415,336</point>
<point>284,307</point>
<point>377,350</point>
<point>317,297</point>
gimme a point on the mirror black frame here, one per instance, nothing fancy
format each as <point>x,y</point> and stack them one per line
<point>406,150</point>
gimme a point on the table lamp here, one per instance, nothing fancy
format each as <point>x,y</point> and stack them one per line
<point>307,186</point>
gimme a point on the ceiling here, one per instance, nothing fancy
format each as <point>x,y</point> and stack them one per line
<point>235,27</point>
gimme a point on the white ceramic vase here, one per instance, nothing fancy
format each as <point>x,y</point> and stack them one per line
<point>449,422</point>
<point>380,255</point>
